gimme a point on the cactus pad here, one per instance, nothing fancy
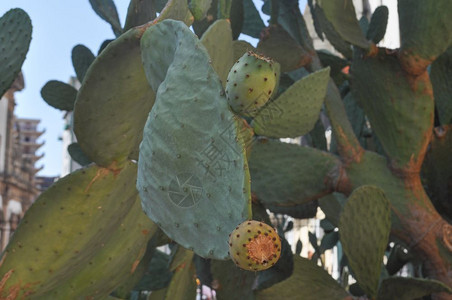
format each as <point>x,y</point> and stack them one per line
<point>295,112</point>
<point>82,58</point>
<point>287,174</point>
<point>251,82</point>
<point>425,32</point>
<point>75,217</point>
<point>440,75</point>
<point>114,262</point>
<point>60,95</point>
<point>399,108</point>
<point>368,206</point>
<point>106,9</point>
<point>378,23</point>
<point>193,175</point>
<point>15,37</point>
<point>341,13</point>
<point>254,246</point>
<point>308,281</point>
<point>199,8</point>
<point>77,154</point>
<point>276,42</point>
<point>113,103</point>
<point>402,288</point>
<point>218,42</point>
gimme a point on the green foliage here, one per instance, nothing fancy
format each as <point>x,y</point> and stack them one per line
<point>177,176</point>
<point>106,9</point>
<point>252,24</point>
<point>369,207</point>
<point>378,23</point>
<point>399,109</point>
<point>140,12</point>
<point>330,32</point>
<point>307,282</point>
<point>296,111</point>
<point>77,154</point>
<point>218,42</point>
<point>281,177</point>
<point>82,58</point>
<point>77,217</point>
<point>425,32</point>
<point>182,285</point>
<point>440,74</point>
<point>199,8</point>
<point>342,15</point>
<point>276,42</point>
<point>158,275</point>
<point>60,95</point>
<point>127,101</point>
<point>15,37</point>
<point>436,170</point>
<point>402,288</point>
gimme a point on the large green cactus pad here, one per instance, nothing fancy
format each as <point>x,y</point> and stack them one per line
<point>59,95</point>
<point>400,109</point>
<point>402,288</point>
<point>218,42</point>
<point>193,175</point>
<point>115,98</point>
<point>113,103</point>
<point>295,112</point>
<point>15,37</point>
<point>425,32</point>
<point>341,13</point>
<point>113,263</point>
<point>287,174</point>
<point>308,281</point>
<point>66,226</point>
<point>365,244</point>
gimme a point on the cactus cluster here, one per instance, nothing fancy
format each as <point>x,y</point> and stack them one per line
<point>163,128</point>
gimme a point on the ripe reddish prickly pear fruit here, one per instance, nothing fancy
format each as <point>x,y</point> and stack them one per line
<point>254,246</point>
<point>251,82</point>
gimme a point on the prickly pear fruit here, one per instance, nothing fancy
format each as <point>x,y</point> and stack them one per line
<point>254,246</point>
<point>250,84</point>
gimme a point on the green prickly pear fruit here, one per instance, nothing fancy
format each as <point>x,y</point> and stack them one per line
<point>254,246</point>
<point>250,84</point>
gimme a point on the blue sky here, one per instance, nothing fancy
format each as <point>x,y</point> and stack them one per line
<point>57,27</point>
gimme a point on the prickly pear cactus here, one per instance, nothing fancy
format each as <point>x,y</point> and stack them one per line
<point>15,37</point>
<point>250,84</point>
<point>254,246</point>
<point>193,177</point>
